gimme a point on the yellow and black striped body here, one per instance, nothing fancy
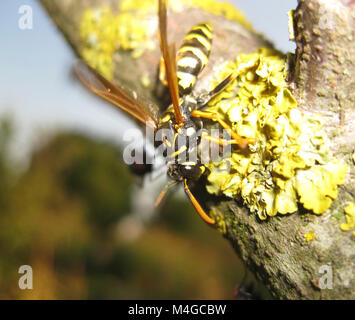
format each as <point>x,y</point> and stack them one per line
<point>192,56</point>
<point>181,142</point>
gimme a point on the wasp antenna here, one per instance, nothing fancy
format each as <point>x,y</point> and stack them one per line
<point>197,206</point>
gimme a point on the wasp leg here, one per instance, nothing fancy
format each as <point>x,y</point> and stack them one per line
<point>162,73</point>
<point>163,193</point>
<point>205,98</point>
<point>242,142</point>
<point>197,206</point>
<point>220,141</point>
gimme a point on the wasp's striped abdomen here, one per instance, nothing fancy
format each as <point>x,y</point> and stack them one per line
<point>193,55</point>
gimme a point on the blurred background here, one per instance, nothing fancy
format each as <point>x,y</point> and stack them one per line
<point>70,208</point>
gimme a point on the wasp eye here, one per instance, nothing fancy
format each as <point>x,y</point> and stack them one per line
<point>190,171</point>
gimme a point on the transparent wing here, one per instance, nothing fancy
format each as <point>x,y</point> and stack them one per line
<point>169,57</point>
<point>112,93</point>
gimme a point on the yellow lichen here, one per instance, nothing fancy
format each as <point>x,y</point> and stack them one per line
<point>99,36</point>
<point>219,221</point>
<point>134,28</point>
<point>213,6</point>
<point>290,162</point>
<point>353,156</point>
<point>310,236</point>
<point>102,33</point>
<point>219,8</point>
<point>317,187</point>
<point>350,218</point>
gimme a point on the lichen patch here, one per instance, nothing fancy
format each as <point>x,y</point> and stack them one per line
<point>350,218</point>
<point>310,236</point>
<point>134,28</point>
<point>290,163</point>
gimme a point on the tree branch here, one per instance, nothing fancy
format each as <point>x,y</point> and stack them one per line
<point>322,78</point>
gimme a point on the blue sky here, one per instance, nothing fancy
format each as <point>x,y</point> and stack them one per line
<point>37,89</point>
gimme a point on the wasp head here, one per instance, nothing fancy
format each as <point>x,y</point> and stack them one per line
<point>190,171</point>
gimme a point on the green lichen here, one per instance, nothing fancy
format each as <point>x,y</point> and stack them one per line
<point>134,28</point>
<point>337,216</point>
<point>290,162</point>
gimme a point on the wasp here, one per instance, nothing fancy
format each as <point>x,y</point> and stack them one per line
<point>183,118</point>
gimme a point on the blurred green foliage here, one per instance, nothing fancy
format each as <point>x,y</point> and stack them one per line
<point>5,174</point>
<point>61,216</point>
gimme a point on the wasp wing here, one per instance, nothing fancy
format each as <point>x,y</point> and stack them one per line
<point>112,93</point>
<point>168,56</point>
<point>174,79</point>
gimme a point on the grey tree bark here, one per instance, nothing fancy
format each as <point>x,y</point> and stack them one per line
<point>322,73</point>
